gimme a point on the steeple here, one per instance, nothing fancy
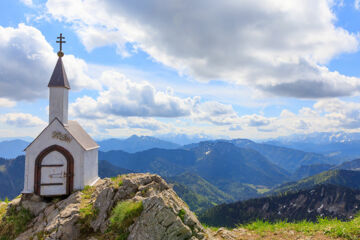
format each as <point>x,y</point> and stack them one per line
<point>58,77</point>
<point>59,89</point>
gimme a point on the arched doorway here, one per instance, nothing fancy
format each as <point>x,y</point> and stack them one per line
<point>54,172</point>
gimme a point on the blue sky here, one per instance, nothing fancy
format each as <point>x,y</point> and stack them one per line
<point>233,69</point>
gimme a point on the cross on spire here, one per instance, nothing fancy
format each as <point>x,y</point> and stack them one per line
<point>60,53</point>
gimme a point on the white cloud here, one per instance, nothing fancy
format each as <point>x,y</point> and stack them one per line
<point>357,4</point>
<point>215,113</point>
<point>27,61</point>
<point>256,120</point>
<point>124,103</point>
<point>345,114</point>
<point>325,116</point>
<point>21,120</point>
<point>28,3</point>
<point>4,102</point>
<point>273,45</point>
<point>122,97</point>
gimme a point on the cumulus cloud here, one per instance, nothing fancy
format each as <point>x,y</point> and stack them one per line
<point>125,103</point>
<point>325,115</point>
<point>123,97</point>
<point>215,113</point>
<point>4,102</point>
<point>21,120</point>
<point>345,114</point>
<point>256,120</point>
<point>276,46</point>
<point>27,61</point>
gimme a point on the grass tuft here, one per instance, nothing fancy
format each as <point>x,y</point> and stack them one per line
<point>87,211</point>
<point>122,216</point>
<point>181,214</point>
<point>14,222</point>
<point>117,181</point>
<point>214,229</point>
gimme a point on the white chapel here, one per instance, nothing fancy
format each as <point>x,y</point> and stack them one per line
<point>63,158</point>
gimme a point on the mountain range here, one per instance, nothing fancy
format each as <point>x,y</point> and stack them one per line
<point>320,201</point>
<point>287,158</point>
<point>12,148</point>
<point>198,193</point>
<point>220,163</point>
<point>11,177</point>
<point>338,145</point>
<point>339,177</point>
<point>135,144</point>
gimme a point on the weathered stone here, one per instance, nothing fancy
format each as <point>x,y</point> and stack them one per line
<point>103,204</point>
<point>160,218</point>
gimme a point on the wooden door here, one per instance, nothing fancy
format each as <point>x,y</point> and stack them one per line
<point>54,171</point>
<point>53,174</point>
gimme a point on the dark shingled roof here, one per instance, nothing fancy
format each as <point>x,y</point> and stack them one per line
<point>58,77</point>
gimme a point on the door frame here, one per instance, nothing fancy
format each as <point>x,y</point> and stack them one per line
<point>70,168</point>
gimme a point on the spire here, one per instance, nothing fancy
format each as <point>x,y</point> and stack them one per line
<point>58,77</point>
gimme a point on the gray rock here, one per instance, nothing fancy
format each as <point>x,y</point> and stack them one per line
<point>160,218</point>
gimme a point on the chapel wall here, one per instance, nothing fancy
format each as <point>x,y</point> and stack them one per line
<point>45,140</point>
<point>91,166</point>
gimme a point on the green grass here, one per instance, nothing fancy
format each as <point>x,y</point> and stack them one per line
<point>3,206</point>
<point>214,229</point>
<point>259,188</point>
<point>118,181</point>
<point>87,211</point>
<point>122,216</point>
<point>14,223</point>
<point>181,214</point>
<point>332,227</point>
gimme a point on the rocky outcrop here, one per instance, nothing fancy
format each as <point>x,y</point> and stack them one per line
<point>86,214</point>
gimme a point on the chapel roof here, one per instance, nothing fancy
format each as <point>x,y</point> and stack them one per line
<point>76,131</point>
<point>80,135</point>
<point>58,77</point>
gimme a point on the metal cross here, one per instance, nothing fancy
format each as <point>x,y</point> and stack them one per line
<point>61,41</point>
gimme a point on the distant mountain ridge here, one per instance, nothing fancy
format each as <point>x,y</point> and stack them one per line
<point>11,177</point>
<point>305,171</point>
<point>339,177</point>
<point>12,148</point>
<point>349,165</point>
<point>339,145</point>
<point>286,158</point>
<point>135,144</point>
<point>220,163</point>
<point>320,201</point>
<point>198,193</point>
<point>320,137</point>
<point>107,169</point>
